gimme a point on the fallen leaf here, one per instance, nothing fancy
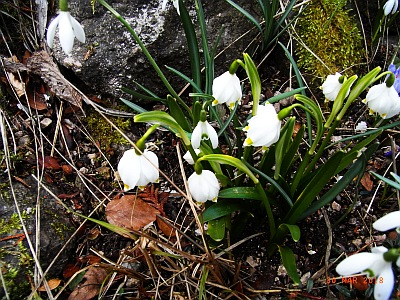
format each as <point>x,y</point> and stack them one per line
<point>49,162</point>
<point>130,212</point>
<point>90,259</point>
<point>53,283</point>
<point>19,87</point>
<point>70,270</point>
<point>366,181</point>
<point>93,280</point>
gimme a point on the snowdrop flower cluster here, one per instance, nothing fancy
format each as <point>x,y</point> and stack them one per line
<point>378,263</point>
<point>138,169</point>
<point>332,86</point>
<point>390,7</point>
<point>203,186</point>
<point>68,29</point>
<point>226,89</point>
<point>264,128</point>
<point>383,100</point>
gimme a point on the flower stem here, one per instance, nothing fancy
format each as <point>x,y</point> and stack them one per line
<point>64,5</point>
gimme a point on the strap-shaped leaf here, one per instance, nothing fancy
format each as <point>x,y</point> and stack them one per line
<point>134,106</point>
<point>289,262</point>
<point>224,207</point>
<point>177,113</point>
<point>216,228</point>
<point>240,192</point>
<point>246,14</point>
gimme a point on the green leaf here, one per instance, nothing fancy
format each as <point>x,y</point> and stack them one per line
<point>177,113</point>
<point>141,96</point>
<point>224,207</point>
<point>246,14</point>
<point>289,262</point>
<point>192,44</point>
<point>284,95</point>
<point>134,106</point>
<point>293,229</point>
<point>283,145</point>
<point>255,81</point>
<point>196,88</point>
<point>202,286</point>
<point>216,228</point>
<point>240,192</point>
<point>388,181</point>
<point>291,153</point>
<point>313,188</point>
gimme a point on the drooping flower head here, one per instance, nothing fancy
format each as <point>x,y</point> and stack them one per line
<point>204,131</point>
<point>226,89</point>
<point>138,170</point>
<point>390,7</point>
<point>68,29</point>
<point>383,100</point>
<point>374,265</point>
<point>188,157</point>
<point>264,128</point>
<point>332,86</point>
<point>203,186</point>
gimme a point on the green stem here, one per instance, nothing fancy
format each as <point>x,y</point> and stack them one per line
<point>147,53</point>
<point>141,143</point>
<point>271,220</point>
<point>63,5</point>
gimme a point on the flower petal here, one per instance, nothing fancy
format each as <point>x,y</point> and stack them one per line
<point>357,263</point>
<point>387,222</point>
<point>51,31</point>
<point>78,30</point>
<point>148,172</point>
<point>212,135</point>
<point>384,284</point>
<point>129,169</point>
<point>65,32</point>
<point>196,136</point>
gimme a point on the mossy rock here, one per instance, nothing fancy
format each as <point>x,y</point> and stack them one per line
<point>333,42</point>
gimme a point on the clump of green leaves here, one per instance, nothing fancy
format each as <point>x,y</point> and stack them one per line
<point>330,35</point>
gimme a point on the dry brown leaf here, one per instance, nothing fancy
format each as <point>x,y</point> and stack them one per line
<point>19,87</point>
<point>49,162</point>
<point>366,181</point>
<point>94,278</point>
<point>130,212</point>
<point>53,283</point>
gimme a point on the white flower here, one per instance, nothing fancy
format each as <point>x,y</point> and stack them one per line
<point>362,126</point>
<point>204,186</point>
<point>332,86</point>
<point>204,131</point>
<point>69,28</point>
<point>264,128</point>
<point>226,89</point>
<point>188,157</point>
<point>174,2</point>
<point>383,100</point>
<point>390,7</point>
<point>387,222</point>
<point>138,170</point>
<point>371,262</point>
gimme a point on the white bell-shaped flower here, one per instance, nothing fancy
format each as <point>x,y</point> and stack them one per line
<point>226,89</point>
<point>204,131</point>
<point>383,100</point>
<point>388,222</point>
<point>188,157</point>
<point>204,186</point>
<point>174,2</point>
<point>264,128</point>
<point>68,29</point>
<point>371,263</point>
<point>138,170</point>
<point>332,86</point>
<point>390,7</point>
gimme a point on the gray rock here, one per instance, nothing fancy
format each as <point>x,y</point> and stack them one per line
<point>16,260</point>
<point>118,61</point>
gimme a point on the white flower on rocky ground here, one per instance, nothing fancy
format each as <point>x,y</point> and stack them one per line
<point>374,265</point>
<point>361,127</point>
<point>264,128</point>
<point>383,100</point>
<point>174,2</point>
<point>68,29</point>
<point>387,222</point>
<point>204,186</point>
<point>204,131</point>
<point>138,170</point>
<point>332,86</point>
<point>226,89</point>
<point>390,7</point>
<point>188,157</point>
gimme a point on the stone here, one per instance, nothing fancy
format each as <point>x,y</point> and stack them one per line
<point>111,58</point>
